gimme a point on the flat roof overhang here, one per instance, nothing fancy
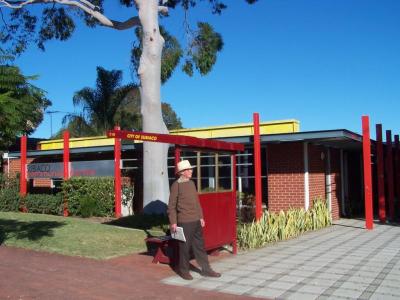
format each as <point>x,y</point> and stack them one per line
<point>339,138</point>
<point>41,153</point>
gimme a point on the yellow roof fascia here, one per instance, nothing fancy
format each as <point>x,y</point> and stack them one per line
<point>77,143</point>
<point>232,130</point>
<point>242,129</point>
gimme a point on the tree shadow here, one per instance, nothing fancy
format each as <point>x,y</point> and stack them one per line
<point>143,222</point>
<point>35,230</point>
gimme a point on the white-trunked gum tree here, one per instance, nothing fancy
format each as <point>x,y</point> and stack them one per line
<point>38,21</point>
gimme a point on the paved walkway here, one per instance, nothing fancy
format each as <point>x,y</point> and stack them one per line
<point>344,261</point>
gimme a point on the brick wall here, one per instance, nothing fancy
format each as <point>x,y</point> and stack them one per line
<point>335,183</point>
<point>316,170</point>
<point>285,176</point>
<point>15,166</point>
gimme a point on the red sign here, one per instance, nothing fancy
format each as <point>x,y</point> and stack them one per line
<point>181,140</point>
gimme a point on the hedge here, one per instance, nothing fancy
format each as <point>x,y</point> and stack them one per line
<point>85,196</point>
<point>44,203</point>
<point>9,193</point>
<point>89,196</point>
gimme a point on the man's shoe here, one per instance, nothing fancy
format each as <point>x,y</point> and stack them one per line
<point>185,276</point>
<point>211,273</point>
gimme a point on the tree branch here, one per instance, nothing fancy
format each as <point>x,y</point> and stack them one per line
<point>163,10</point>
<point>84,5</point>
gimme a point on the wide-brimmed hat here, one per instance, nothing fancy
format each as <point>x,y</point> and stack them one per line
<point>183,165</point>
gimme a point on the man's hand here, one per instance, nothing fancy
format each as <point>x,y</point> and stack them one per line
<point>172,228</point>
<point>202,223</point>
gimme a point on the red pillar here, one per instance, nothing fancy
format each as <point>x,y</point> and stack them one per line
<point>380,174</point>
<point>367,173</point>
<point>117,175</point>
<point>389,174</point>
<point>396,167</point>
<point>177,157</point>
<point>22,179</point>
<point>233,159</point>
<point>66,167</point>
<point>257,165</point>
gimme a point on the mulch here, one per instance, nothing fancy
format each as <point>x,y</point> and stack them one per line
<point>27,274</point>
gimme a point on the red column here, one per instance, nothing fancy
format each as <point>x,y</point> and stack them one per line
<point>367,173</point>
<point>117,175</point>
<point>66,167</point>
<point>233,159</point>
<point>389,174</point>
<point>177,156</point>
<point>257,165</point>
<point>22,179</point>
<point>380,174</point>
<point>396,167</point>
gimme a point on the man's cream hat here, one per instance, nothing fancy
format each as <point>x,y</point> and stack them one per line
<point>183,165</point>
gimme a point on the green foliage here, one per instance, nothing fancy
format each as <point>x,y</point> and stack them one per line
<point>128,115</point>
<point>44,203</point>
<point>56,24</point>
<point>9,193</point>
<point>171,55</point>
<point>21,104</point>
<point>80,191</point>
<point>203,49</point>
<point>88,207</point>
<point>99,104</point>
<point>110,103</point>
<point>273,227</point>
<point>171,119</point>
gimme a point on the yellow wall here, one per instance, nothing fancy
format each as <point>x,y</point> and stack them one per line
<point>77,143</point>
<point>244,129</point>
<point>233,130</point>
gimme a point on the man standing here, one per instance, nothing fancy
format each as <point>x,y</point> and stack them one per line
<point>184,210</point>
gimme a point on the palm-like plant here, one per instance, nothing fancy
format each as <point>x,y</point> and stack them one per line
<point>99,105</point>
<point>108,104</point>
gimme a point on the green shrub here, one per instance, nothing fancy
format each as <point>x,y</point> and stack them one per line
<point>44,203</point>
<point>88,207</point>
<point>285,225</point>
<point>99,189</point>
<point>9,193</point>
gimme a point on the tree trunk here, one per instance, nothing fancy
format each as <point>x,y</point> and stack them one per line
<point>155,155</point>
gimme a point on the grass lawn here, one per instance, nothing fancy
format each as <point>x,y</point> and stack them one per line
<point>76,236</point>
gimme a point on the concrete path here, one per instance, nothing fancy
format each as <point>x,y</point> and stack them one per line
<point>344,261</point>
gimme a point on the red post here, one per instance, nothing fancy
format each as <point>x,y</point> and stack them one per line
<point>396,166</point>
<point>117,174</point>
<point>389,174</point>
<point>233,159</point>
<point>22,179</point>
<point>66,167</point>
<point>177,157</point>
<point>367,173</point>
<point>257,165</point>
<point>397,170</point>
<point>380,174</point>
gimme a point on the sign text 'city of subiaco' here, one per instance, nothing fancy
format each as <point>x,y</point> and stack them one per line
<point>181,140</point>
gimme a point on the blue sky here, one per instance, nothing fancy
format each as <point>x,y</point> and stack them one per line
<point>323,62</point>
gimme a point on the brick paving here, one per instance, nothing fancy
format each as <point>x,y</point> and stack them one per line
<point>344,261</point>
<point>26,274</point>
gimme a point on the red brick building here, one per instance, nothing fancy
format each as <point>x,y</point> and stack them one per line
<point>297,168</point>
